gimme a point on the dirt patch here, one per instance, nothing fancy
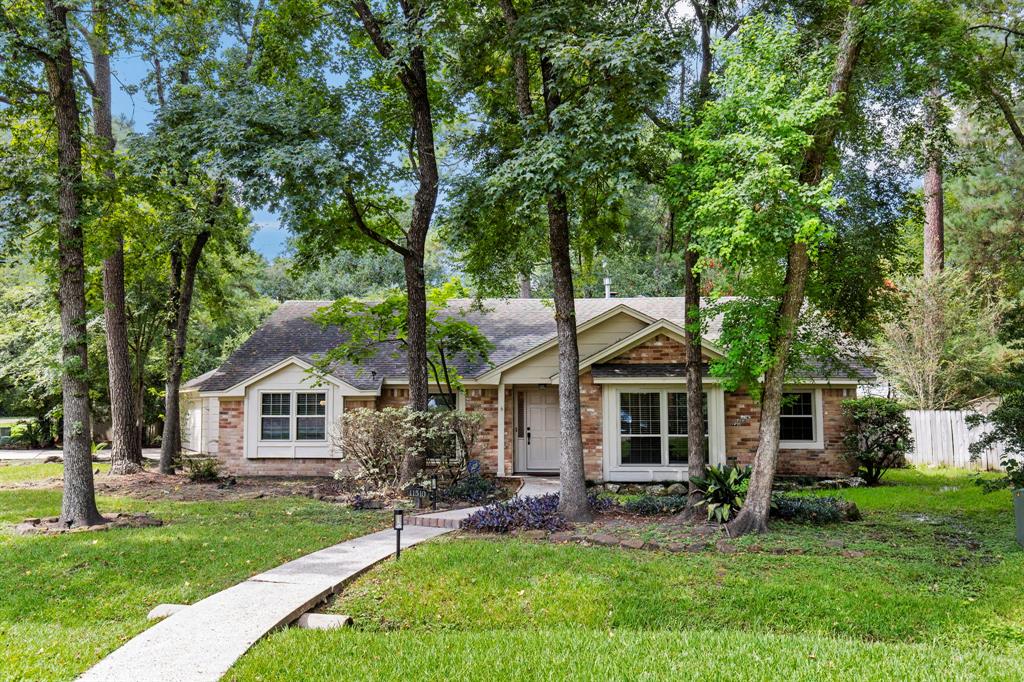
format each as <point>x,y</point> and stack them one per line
<point>150,485</point>
<point>50,526</point>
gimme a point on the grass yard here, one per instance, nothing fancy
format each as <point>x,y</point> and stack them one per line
<point>936,595</point>
<point>17,473</point>
<point>68,600</point>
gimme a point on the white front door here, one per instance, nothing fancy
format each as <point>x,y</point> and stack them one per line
<point>542,442</point>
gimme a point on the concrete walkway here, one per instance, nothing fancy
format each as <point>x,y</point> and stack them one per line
<point>203,641</point>
<point>38,456</point>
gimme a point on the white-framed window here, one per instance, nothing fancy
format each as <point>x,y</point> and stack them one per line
<point>800,419</point>
<point>654,427</point>
<point>5,431</point>
<point>293,415</point>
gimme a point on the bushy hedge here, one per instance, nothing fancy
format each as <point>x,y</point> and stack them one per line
<point>813,510</point>
<point>878,436</point>
<point>651,505</point>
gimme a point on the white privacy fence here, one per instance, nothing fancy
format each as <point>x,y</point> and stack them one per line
<point>942,438</point>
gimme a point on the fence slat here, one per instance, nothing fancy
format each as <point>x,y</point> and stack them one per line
<point>943,438</point>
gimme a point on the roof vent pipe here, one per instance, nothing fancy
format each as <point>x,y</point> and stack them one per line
<point>607,286</point>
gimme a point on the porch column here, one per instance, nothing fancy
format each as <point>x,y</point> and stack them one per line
<point>501,427</point>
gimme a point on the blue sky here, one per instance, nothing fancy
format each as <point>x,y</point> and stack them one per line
<point>129,70</point>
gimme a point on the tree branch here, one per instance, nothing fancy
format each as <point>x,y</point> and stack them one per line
<point>996,27</point>
<point>357,216</point>
<point>1008,114</point>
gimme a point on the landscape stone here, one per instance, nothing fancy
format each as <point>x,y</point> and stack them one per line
<point>604,539</point>
<point>697,547</point>
<point>561,537</point>
<point>835,544</point>
<point>675,547</point>
<point>854,554</point>
<point>677,489</point>
<point>657,490</point>
<point>725,547</point>
<point>533,534</point>
<point>632,543</point>
<point>612,487</point>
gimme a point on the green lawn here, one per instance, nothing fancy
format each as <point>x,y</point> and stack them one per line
<point>937,596</point>
<point>16,473</point>
<point>66,601</point>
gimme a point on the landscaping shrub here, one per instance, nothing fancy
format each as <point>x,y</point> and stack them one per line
<point>519,513</point>
<point>1006,427</point>
<point>472,489</point>
<point>201,469</point>
<point>379,440</point>
<point>878,436</point>
<point>724,490</point>
<point>651,505</point>
<point>814,510</point>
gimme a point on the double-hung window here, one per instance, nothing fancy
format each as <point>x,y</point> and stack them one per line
<point>654,428</point>
<point>796,420</point>
<point>293,415</point>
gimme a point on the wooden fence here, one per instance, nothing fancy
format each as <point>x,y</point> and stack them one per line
<point>942,437</point>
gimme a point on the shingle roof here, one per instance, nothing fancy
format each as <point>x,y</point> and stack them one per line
<point>611,370</point>
<point>514,326</point>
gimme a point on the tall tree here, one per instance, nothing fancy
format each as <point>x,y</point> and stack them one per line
<point>126,446</point>
<point>754,515</point>
<point>934,214</point>
<point>550,164</point>
<point>41,38</point>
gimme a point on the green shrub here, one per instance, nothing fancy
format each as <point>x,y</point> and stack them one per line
<point>1006,428</point>
<point>651,505</point>
<point>878,436</point>
<point>201,469</point>
<point>813,510</point>
<point>724,490</point>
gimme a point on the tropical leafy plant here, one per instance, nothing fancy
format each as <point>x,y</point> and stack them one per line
<point>878,437</point>
<point>724,489</point>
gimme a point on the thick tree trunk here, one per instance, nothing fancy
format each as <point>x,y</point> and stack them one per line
<point>126,449</point>
<point>753,518</point>
<point>573,500</point>
<point>170,445</point>
<point>412,73</point>
<point>78,507</point>
<point>417,349</point>
<point>934,219</point>
<point>696,463</point>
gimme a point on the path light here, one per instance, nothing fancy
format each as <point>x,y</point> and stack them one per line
<point>399,524</point>
<point>433,495</point>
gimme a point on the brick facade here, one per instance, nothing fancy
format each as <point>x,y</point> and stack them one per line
<point>743,419</point>
<point>741,426</point>
<point>231,450</point>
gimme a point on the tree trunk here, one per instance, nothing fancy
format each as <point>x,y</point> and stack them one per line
<point>696,463</point>
<point>78,507</point>
<point>170,445</point>
<point>412,73</point>
<point>525,288</point>
<point>126,449</point>
<point>753,518</point>
<point>934,227</point>
<point>573,500</point>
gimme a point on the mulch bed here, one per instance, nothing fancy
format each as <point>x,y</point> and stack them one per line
<point>49,525</point>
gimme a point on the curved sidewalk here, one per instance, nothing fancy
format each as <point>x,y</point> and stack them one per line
<point>203,641</point>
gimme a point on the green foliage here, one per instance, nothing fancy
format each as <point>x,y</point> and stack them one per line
<point>878,436</point>
<point>382,326</point>
<point>201,469</point>
<point>1005,427</point>
<point>940,344</point>
<point>813,510</point>
<point>654,505</point>
<point>723,490</point>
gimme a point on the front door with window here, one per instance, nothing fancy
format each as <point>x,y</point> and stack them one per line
<point>541,432</point>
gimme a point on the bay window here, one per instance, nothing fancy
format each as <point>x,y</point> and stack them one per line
<point>303,414</point>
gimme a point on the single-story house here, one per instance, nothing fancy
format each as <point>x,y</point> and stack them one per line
<point>264,412</point>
